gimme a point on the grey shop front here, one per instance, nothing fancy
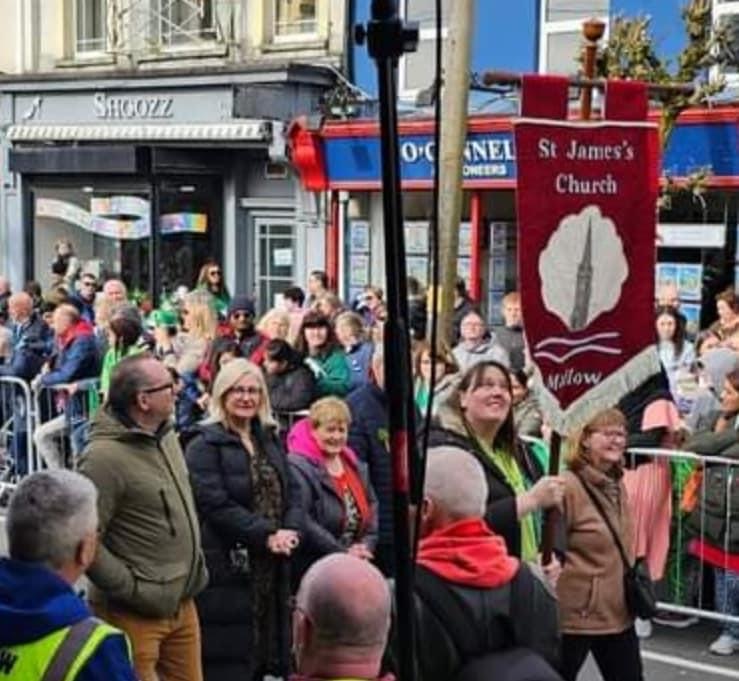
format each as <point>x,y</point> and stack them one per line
<point>149,177</point>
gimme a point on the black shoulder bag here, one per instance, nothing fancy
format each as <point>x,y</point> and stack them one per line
<point>638,586</point>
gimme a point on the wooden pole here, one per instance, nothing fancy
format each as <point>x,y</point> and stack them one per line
<point>455,93</point>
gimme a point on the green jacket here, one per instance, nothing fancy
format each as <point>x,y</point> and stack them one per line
<point>149,559</point>
<point>331,372</point>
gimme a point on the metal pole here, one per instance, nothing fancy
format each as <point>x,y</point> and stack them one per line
<point>387,39</point>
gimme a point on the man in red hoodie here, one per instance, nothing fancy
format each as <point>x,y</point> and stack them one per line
<point>75,358</point>
<point>480,613</point>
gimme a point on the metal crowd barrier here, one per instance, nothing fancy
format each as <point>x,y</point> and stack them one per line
<point>62,421</point>
<point>17,454</point>
<point>689,572</point>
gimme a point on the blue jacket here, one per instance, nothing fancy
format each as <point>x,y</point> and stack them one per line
<point>359,359</point>
<point>32,344</point>
<point>77,359</point>
<point>86,308</point>
<point>368,437</point>
<point>34,602</point>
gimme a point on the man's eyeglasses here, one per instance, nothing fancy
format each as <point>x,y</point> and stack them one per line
<point>158,388</point>
<point>241,315</point>
<point>89,284</point>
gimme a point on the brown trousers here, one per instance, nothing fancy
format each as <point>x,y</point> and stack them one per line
<point>166,649</point>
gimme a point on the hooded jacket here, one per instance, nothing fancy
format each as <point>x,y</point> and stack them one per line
<point>484,351</point>
<point>501,599</point>
<point>35,602</point>
<point>715,365</point>
<point>321,504</point>
<point>76,356</point>
<point>501,513</point>
<point>709,518</point>
<point>149,559</point>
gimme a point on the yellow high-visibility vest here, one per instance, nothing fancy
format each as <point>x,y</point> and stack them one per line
<point>32,661</point>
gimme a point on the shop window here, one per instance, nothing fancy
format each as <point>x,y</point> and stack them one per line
<point>90,25</point>
<point>189,229</point>
<point>109,230</point>
<point>562,51</point>
<point>424,12</point>
<point>184,22</point>
<point>294,18</point>
<point>417,74</point>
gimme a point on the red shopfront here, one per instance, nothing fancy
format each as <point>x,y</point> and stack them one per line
<point>343,158</point>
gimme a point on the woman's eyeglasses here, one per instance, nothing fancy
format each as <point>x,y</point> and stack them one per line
<point>214,273</point>
<point>246,391</point>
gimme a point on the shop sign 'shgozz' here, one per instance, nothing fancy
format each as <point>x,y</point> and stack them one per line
<point>139,107</point>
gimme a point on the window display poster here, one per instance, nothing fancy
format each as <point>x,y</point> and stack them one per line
<point>666,273</point>
<point>498,274</point>
<point>359,236</point>
<point>417,266</point>
<point>495,302</point>
<point>417,238</point>
<point>464,269</point>
<point>465,240</point>
<point>689,280</point>
<point>692,314</point>
<point>498,236</point>
<point>359,270</point>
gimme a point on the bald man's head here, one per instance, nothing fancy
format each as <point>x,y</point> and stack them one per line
<point>20,306</point>
<point>334,625</point>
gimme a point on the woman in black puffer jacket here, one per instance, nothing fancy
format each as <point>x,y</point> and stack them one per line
<point>250,519</point>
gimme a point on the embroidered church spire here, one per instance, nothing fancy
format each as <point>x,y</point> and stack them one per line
<point>584,284</point>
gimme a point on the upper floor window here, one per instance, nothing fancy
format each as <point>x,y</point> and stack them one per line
<point>295,17</point>
<point>567,10</point>
<point>184,22</point>
<point>90,25</point>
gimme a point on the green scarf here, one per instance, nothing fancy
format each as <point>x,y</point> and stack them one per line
<point>511,471</point>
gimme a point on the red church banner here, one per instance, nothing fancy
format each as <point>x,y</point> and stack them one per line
<point>586,201</point>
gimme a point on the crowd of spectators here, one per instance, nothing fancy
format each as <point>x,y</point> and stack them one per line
<point>258,445</point>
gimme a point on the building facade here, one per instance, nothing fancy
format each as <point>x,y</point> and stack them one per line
<point>697,233</point>
<point>151,134</point>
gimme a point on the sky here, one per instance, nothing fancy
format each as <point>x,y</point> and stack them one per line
<point>505,34</point>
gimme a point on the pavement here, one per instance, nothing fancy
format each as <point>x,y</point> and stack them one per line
<point>679,654</point>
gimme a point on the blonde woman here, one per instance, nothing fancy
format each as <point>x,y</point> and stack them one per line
<point>351,334</point>
<point>274,324</point>
<point>191,346</point>
<point>337,499</point>
<point>250,522</point>
<point>593,610</point>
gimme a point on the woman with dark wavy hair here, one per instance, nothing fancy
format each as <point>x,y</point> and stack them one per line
<point>323,355</point>
<point>478,417</point>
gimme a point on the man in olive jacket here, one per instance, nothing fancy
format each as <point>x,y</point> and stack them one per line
<point>149,564</point>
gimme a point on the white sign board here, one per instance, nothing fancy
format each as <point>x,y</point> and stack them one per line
<point>690,235</point>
